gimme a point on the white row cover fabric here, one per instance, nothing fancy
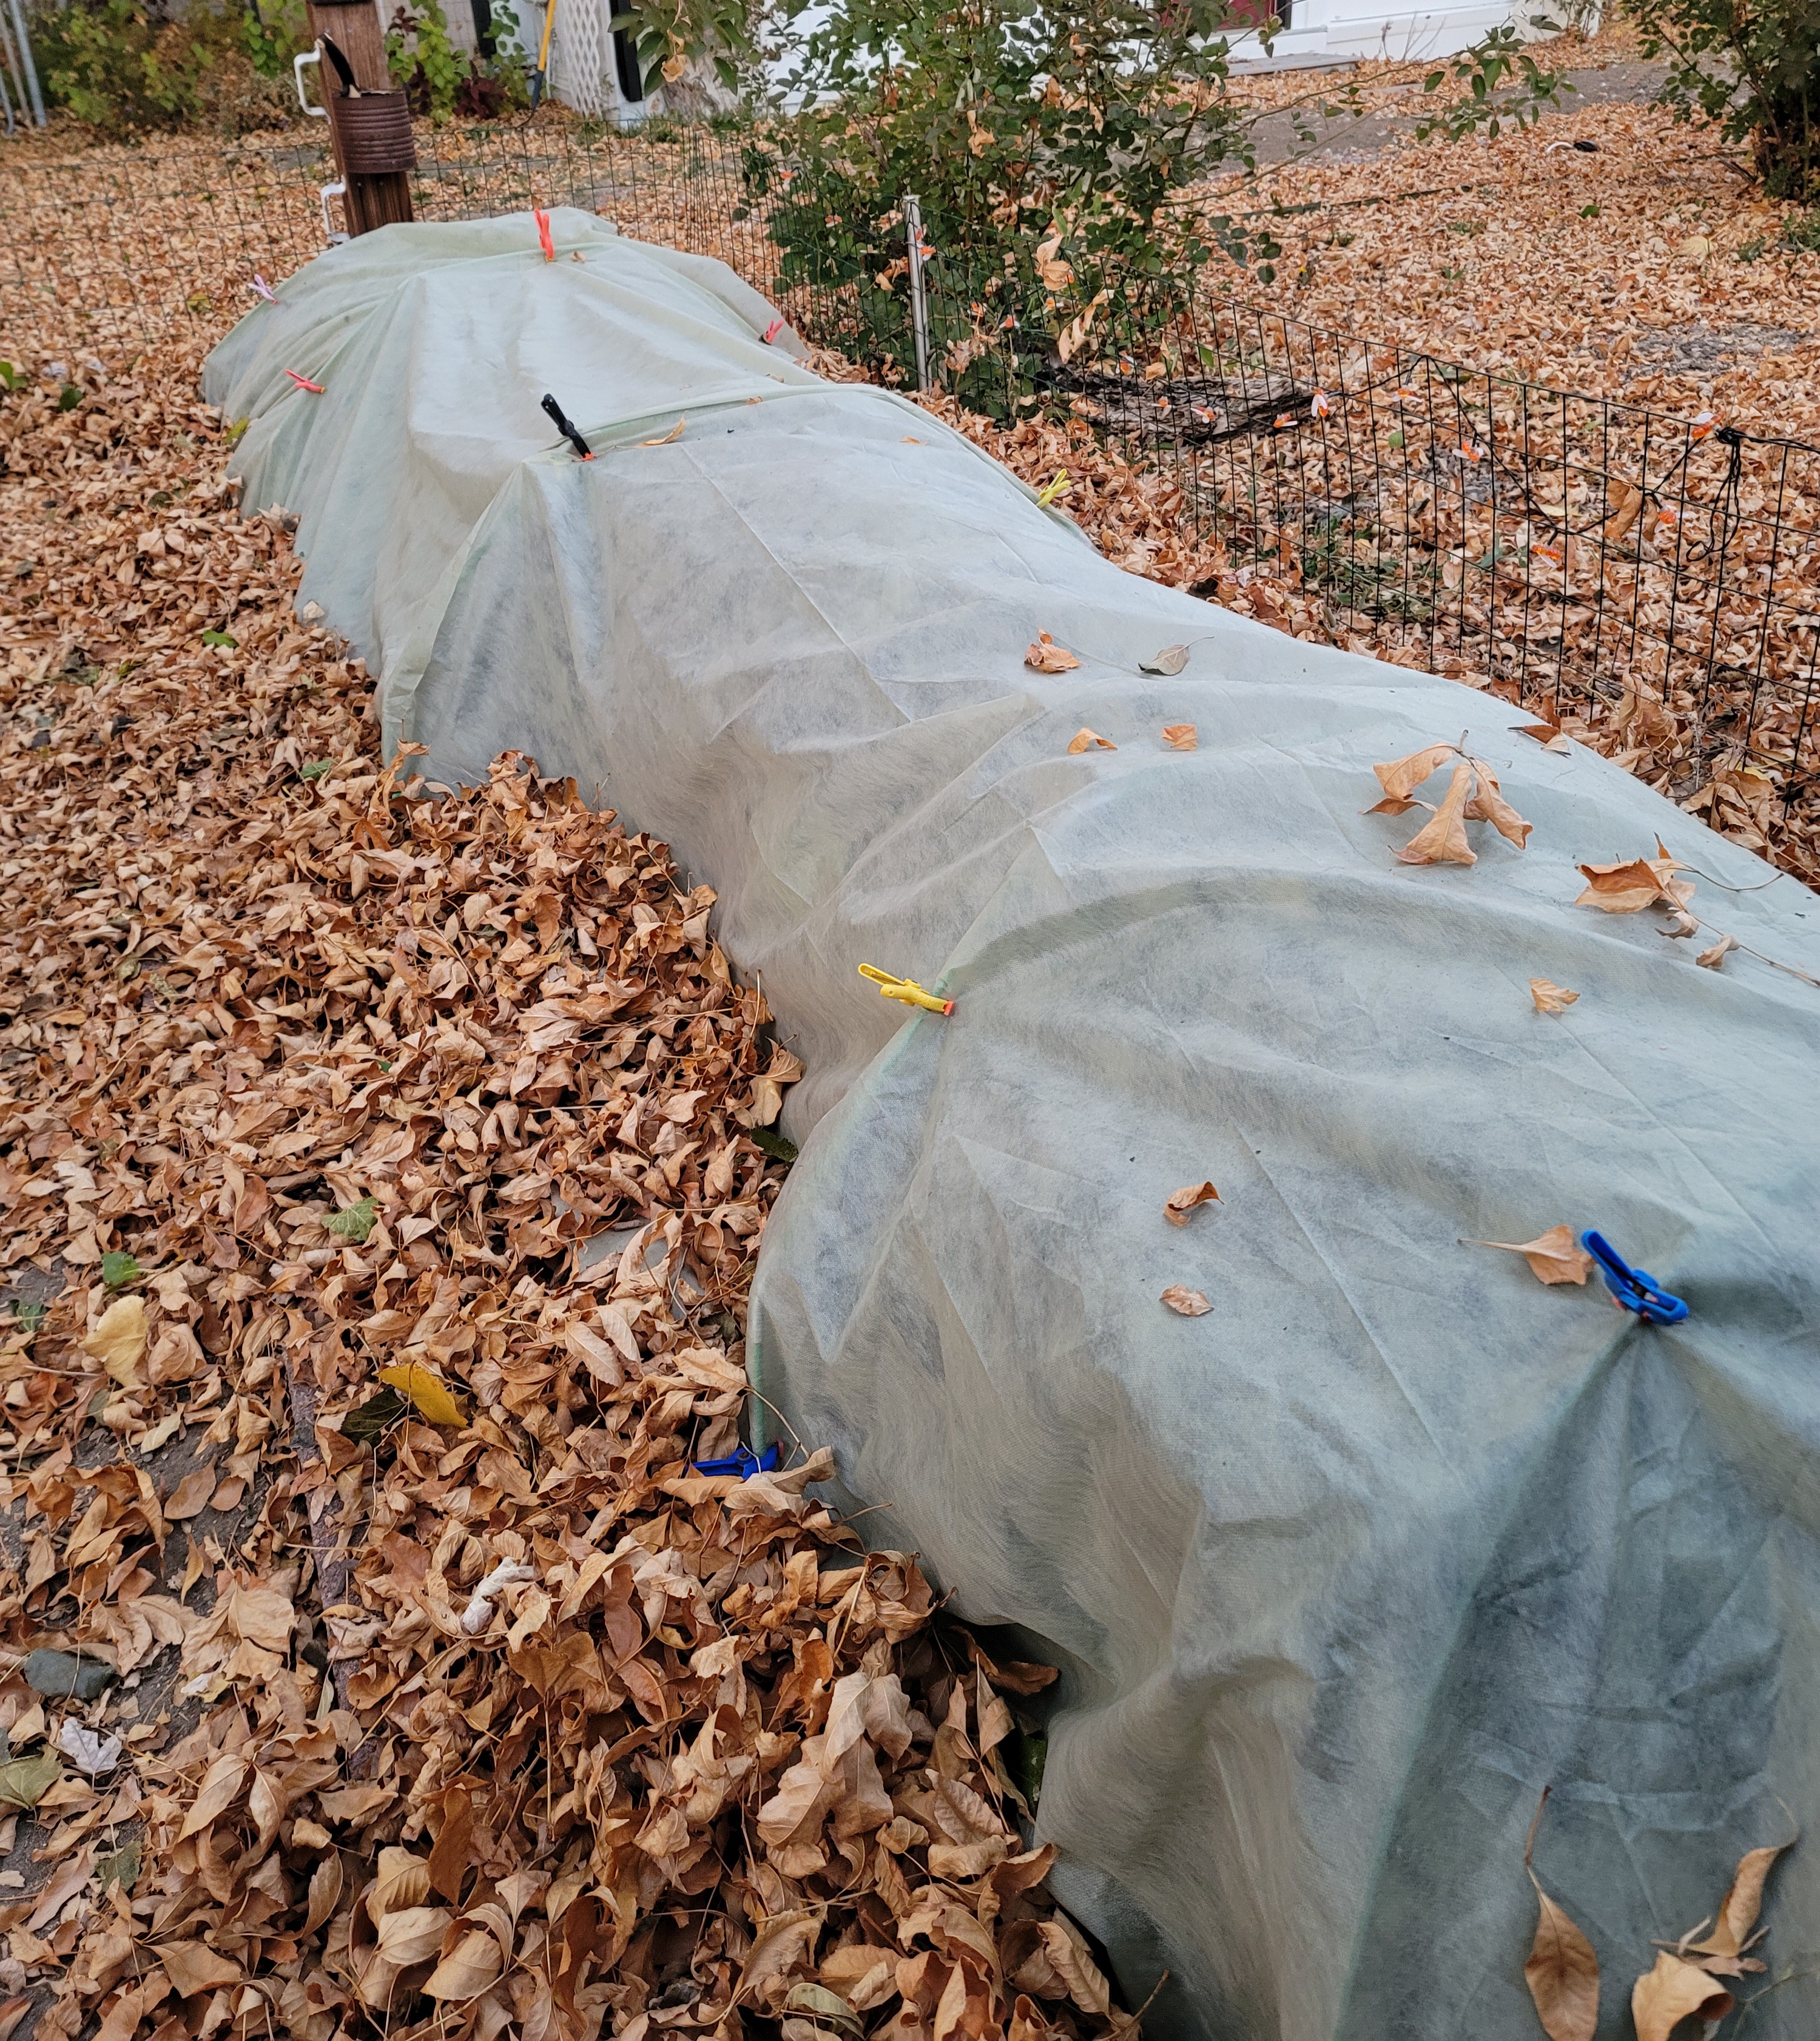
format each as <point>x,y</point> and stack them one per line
<point>1343,1573</point>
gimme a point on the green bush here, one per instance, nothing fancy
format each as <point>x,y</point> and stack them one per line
<point>1753,72</point>
<point>124,68</point>
<point>1054,147</point>
<point>443,79</point>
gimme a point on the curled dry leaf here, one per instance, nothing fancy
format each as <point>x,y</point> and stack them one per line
<point>1472,795</point>
<point>1631,884</point>
<point>1088,740</point>
<point>1555,1256</point>
<point>1675,1990</point>
<point>1170,660</point>
<point>1190,1303</point>
<point>1443,840</point>
<point>1401,776</point>
<point>670,438</point>
<point>1488,804</point>
<point>1047,657</point>
<point>1713,957</point>
<point>1180,736</point>
<point>1742,1903</point>
<point>1550,997</point>
<point>1180,1203</point>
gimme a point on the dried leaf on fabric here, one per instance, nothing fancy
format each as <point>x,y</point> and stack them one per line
<point>1715,955</point>
<point>1047,657</point>
<point>1550,997</point>
<point>1170,660</point>
<point>1631,884</point>
<point>1189,1303</point>
<point>1553,1256</point>
<point>1179,1204</point>
<point>1089,740</point>
<point>1443,840</point>
<point>1743,1901</point>
<point>1180,736</point>
<point>1561,1971</point>
<point>1675,1990</point>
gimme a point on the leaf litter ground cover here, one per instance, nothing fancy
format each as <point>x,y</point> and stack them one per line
<point>441,1694</point>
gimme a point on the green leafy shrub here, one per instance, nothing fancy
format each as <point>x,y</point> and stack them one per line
<point>1054,147</point>
<point>424,61</point>
<point>124,68</point>
<point>1753,72</point>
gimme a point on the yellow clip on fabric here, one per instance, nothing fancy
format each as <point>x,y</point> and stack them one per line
<point>905,989</point>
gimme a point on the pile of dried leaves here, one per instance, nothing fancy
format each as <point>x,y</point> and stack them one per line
<point>460,1702</point>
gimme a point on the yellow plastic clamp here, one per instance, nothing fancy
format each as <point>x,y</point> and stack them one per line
<point>905,989</point>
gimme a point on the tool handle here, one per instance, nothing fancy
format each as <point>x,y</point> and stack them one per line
<point>559,419</point>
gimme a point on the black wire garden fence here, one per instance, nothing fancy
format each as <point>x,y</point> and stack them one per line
<point>1657,576</point>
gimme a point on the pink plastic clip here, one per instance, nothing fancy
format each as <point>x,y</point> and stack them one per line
<point>773,330</point>
<point>543,220</point>
<point>304,383</point>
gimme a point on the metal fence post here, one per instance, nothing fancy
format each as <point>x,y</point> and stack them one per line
<point>919,308</point>
<point>31,69</point>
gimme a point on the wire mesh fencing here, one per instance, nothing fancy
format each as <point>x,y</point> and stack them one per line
<point>1656,578</point>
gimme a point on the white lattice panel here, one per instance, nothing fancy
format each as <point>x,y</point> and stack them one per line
<point>581,72</point>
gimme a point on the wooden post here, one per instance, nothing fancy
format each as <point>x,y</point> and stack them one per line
<point>372,199</point>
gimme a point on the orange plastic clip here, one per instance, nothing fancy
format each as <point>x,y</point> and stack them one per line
<point>543,220</point>
<point>905,989</point>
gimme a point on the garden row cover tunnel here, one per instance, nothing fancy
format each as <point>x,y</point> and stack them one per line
<point>1342,1573</point>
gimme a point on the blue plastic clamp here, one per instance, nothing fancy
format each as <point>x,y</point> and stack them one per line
<point>745,1463</point>
<point>1636,1289</point>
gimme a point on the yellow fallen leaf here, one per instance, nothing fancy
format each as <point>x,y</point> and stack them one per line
<point>1180,1203</point>
<point>1743,1900</point>
<point>1047,657</point>
<point>1556,1256</point>
<point>1190,1303</point>
<point>118,1341</point>
<point>674,433</point>
<point>1672,1992</point>
<point>1443,840</point>
<point>1697,247</point>
<point>1084,740</point>
<point>1550,997</point>
<point>429,1392</point>
<point>1179,736</point>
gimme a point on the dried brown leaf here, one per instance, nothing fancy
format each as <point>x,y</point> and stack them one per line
<point>1047,657</point>
<point>1553,1256</point>
<point>1180,1203</point>
<point>1189,1303</point>
<point>1675,1990</point>
<point>1443,842</point>
<point>1550,997</point>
